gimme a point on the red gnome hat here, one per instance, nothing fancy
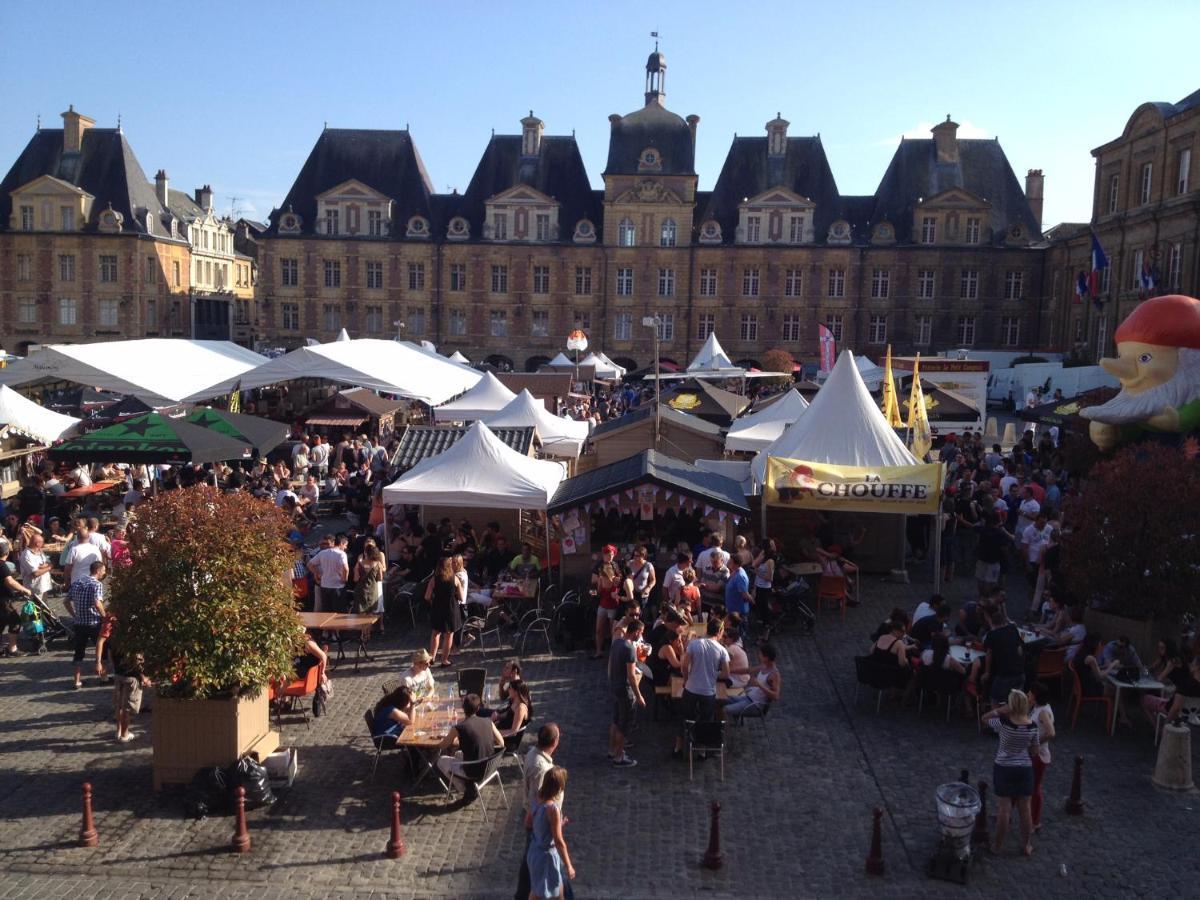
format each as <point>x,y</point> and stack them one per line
<point>1172,320</point>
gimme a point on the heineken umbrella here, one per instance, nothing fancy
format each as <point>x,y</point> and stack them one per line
<point>264,435</point>
<point>154,438</point>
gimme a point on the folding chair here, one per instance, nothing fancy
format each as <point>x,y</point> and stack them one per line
<point>705,737</point>
<point>477,773</point>
<point>481,626</point>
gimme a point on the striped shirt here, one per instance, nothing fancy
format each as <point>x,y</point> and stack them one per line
<point>84,595</point>
<point>1017,742</point>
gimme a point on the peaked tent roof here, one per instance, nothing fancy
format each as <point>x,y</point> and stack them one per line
<point>264,435</point>
<point>457,357</point>
<point>387,366</point>
<point>488,396</point>
<point>604,368</point>
<point>842,426</point>
<point>563,438</point>
<point>25,417</point>
<point>761,428</point>
<point>712,357</point>
<point>154,438</point>
<point>561,360</point>
<point>479,471</point>
<point>698,398</point>
<point>621,370</point>
<point>159,371</point>
<point>343,335</point>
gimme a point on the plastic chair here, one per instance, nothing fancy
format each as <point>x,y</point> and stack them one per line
<point>471,681</point>
<point>943,682</point>
<point>705,737</point>
<point>292,692</point>
<point>882,677</point>
<point>1052,663</point>
<point>1077,700</point>
<point>477,773</point>
<point>832,588</point>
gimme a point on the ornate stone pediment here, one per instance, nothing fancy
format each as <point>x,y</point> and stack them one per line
<point>954,198</point>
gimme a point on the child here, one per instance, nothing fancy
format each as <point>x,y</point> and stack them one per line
<point>127,690</point>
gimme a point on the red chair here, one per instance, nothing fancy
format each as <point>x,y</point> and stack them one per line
<point>1077,700</point>
<point>1052,663</point>
<point>290,693</point>
<point>832,588</point>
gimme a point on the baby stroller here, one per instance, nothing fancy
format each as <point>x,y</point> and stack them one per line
<point>52,626</point>
<point>789,598</point>
<point>33,632</point>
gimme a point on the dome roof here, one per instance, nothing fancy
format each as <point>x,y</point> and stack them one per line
<point>656,62</point>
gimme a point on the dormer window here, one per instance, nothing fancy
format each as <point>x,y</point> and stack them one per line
<point>458,230</point>
<point>796,230</point>
<point>500,226</point>
<point>68,218</point>
<point>928,230</point>
<point>669,232</point>
<point>418,227</point>
<point>710,233</point>
<point>289,223</point>
<point>753,229</point>
<point>27,221</point>
<point>375,222</point>
<point>626,233</point>
<point>650,160</point>
<point>331,221</point>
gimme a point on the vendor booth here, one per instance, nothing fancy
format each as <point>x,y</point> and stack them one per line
<point>561,438</point>
<point>25,430</point>
<point>761,428</point>
<point>681,436</point>
<point>487,396</point>
<point>421,442</point>
<point>357,410</point>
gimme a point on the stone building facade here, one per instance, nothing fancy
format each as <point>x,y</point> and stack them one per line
<point>1146,217</point>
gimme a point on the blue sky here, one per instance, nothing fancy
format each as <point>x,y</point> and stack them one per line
<point>235,94</point>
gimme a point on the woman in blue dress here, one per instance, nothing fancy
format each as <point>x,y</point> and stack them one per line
<point>547,856</point>
<point>392,713</point>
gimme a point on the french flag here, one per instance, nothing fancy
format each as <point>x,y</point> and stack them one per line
<point>1081,287</point>
<point>1099,263</point>
<point>1147,279</point>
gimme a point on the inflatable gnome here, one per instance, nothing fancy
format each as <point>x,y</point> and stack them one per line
<point>1158,364</point>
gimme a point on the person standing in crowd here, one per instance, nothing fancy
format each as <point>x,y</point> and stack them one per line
<point>1012,774</point>
<point>641,574</point>
<point>538,761</point>
<point>1042,715</point>
<point>128,681</point>
<point>331,567</point>
<point>86,600</point>
<point>318,457</point>
<point>624,679</point>
<point>764,585</point>
<point>445,618</point>
<point>13,595</point>
<point>549,861</point>
<point>705,661</point>
<point>606,583</point>
<point>35,567</point>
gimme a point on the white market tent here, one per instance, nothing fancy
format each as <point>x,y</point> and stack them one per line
<point>343,335</point>
<point>159,371</point>
<point>480,471</point>
<point>457,357</point>
<point>842,426</point>
<point>379,365</point>
<point>710,362</point>
<point>604,368</point>
<point>487,396</point>
<point>760,429</point>
<point>37,423</point>
<point>621,370</point>
<point>562,438</point>
<point>561,360</point>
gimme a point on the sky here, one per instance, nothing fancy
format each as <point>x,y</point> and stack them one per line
<point>236,94</point>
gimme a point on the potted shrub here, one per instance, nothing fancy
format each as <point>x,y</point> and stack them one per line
<point>207,600</point>
<point>1133,550</point>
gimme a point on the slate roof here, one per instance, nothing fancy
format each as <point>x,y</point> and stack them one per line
<point>183,206</point>
<point>651,126</point>
<point>105,167</point>
<point>386,161</point>
<point>982,169</point>
<point>557,171</point>
<point>360,398</point>
<point>650,467</point>
<point>644,412</point>
<point>749,171</point>
<point>423,441</point>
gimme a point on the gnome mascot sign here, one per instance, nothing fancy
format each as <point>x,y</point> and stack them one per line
<point>1158,364</point>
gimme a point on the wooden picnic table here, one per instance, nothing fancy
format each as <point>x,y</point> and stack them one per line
<point>315,619</point>
<point>94,488</point>
<point>360,624</point>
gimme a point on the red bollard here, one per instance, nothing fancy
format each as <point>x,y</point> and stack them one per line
<point>980,834</point>
<point>712,856</point>
<point>241,837</point>
<point>87,831</point>
<point>875,857</point>
<point>1075,801</point>
<point>395,847</point>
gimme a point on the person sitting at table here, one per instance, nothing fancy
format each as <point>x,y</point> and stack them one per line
<point>1166,660</point>
<point>1122,651</point>
<point>510,672</point>
<point>1186,680</point>
<point>924,629</point>
<point>1072,638</point>
<point>526,565</point>
<point>885,627</point>
<point>313,655</point>
<point>1093,678</point>
<point>739,662</point>
<point>475,737</point>
<point>519,711</point>
<point>889,648</point>
<point>606,583</point>
<point>1056,618</point>
<point>666,649</point>
<point>80,476</point>
<point>970,620</point>
<point>938,655</point>
<point>419,677</point>
<point>393,713</point>
<point>928,607</point>
<point>764,691</point>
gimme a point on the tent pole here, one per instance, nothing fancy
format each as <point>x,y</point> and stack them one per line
<point>937,551</point>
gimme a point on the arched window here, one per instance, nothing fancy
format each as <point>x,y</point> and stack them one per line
<point>667,238</point>
<point>626,234</point>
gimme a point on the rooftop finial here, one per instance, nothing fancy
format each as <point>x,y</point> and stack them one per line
<point>654,34</point>
<point>39,121</point>
<point>118,123</point>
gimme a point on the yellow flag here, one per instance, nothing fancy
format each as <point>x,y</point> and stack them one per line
<point>918,416</point>
<point>891,403</point>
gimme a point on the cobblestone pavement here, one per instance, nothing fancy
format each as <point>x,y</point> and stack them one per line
<point>795,821</point>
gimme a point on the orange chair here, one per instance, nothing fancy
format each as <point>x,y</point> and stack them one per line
<point>832,588</point>
<point>1077,700</point>
<point>1052,663</point>
<point>289,693</point>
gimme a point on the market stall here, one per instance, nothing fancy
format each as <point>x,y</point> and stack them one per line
<point>561,438</point>
<point>487,396</point>
<point>356,410</point>
<point>26,429</point>
<point>758,429</point>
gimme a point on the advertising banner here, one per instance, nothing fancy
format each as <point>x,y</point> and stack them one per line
<point>915,490</point>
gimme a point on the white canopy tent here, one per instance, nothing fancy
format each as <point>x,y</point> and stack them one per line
<point>487,396</point>
<point>343,335</point>
<point>842,426</point>
<point>604,368</point>
<point>562,438</point>
<point>561,360</point>
<point>621,370</point>
<point>710,362</point>
<point>380,365</point>
<point>37,423</point>
<point>457,357</point>
<point>760,429</point>
<point>479,471</point>
<point>159,371</point>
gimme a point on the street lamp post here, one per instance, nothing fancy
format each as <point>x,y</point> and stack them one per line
<point>399,323</point>
<point>655,322</point>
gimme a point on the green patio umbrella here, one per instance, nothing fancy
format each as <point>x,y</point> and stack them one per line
<point>154,438</point>
<point>264,435</point>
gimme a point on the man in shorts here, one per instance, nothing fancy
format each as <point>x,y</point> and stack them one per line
<point>127,691</point>
<point>623,677</point>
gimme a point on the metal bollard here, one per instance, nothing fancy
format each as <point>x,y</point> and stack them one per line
<point>875,857</point>
<point>241,837</point>
<point>87,831</point>
<point>1075,801</point>
<point>980,835</point>
<point>395,847</point>
<point>712,856</point>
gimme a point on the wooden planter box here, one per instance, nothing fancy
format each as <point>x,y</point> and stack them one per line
<point>193,734</point>
<point>1144,634</point>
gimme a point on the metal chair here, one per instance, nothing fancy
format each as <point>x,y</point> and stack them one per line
<point>512,746</point>
<point>756,710</point>
<point>477,773</point>
<point>471,681</point>
<point>381,741</point>
<point>943,682</point>
<point>881,677</point>
<point>704,737</point>
<point>534,622</point>
<point>480,626</point>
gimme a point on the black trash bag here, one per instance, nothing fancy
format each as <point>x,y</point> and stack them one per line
<point>207,794</point>
<point>248,773</point>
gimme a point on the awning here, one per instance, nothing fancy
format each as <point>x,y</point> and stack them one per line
<point>349,420</point>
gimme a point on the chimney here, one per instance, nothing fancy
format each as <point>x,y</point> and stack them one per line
<point>74,125</point>
<point>945,137</point>
<point>777,136</point>
<point>692,121</point>
<point>204,197</point>
<point>531,135</point>
<point>1035,181</point>
<point>160,186</point>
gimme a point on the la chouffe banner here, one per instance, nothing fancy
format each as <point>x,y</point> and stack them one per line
<point>915,490</point>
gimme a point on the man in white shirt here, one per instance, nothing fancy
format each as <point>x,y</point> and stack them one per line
<point>300,460</point>
<point>81,476</point>
<point>331,568</point>
<point>77,561</point>
<point>1034,538</point>
<point>705,563</point>
<point>1027,511</point>
<point>318,457</point>
<point>673,579</point>
<point>35,568</point>
<point>704,662</point>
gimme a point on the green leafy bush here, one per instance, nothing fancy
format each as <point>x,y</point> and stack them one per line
<point>207,597</point>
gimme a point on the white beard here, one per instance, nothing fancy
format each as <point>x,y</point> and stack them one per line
<point>1127,408</point>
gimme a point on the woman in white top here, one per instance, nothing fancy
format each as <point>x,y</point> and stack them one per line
<point>641,574</point>
<point>1043,717</point>
<point>764,690</point>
